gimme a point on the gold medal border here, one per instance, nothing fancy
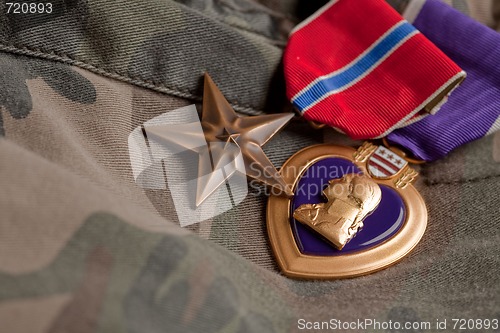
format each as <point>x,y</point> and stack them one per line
<point>295,264</point>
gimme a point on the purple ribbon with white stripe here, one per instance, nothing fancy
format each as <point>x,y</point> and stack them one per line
<point>473,109</point>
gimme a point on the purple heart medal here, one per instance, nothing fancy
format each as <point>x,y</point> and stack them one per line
<point>337,192</point>
<point>354,212</point>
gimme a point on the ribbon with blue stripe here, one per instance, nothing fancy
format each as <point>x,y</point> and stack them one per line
<point>349,75</point>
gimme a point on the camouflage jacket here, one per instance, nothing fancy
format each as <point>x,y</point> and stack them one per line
<point>84,249</point>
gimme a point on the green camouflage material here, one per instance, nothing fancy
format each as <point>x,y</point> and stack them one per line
<point>84,249</point>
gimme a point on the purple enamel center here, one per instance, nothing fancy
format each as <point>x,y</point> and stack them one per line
<point>381,225</point>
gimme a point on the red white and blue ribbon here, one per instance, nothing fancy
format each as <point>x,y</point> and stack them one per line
<point>359,67</point>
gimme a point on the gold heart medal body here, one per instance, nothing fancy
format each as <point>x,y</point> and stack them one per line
<point>353,212</point>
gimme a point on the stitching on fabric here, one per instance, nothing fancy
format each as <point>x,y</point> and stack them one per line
<point>145,83</point>
<point>458,182</point>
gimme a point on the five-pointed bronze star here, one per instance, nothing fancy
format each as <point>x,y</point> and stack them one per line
<point>230,139</point>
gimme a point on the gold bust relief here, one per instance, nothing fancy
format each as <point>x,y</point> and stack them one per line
<point>350,199</point>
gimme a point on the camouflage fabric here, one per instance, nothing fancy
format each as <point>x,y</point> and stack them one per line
<point>84,249</point>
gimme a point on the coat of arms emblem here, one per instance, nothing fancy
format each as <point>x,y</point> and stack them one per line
<point>384,163</point>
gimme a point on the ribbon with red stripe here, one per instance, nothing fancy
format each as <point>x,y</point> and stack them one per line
<point>359,67</point>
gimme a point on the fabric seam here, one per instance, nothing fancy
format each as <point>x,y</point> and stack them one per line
<point>149,84</point>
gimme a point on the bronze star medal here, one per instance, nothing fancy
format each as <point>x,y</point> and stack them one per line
<point>228,137</point>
